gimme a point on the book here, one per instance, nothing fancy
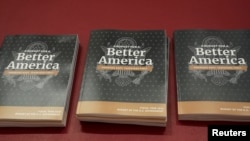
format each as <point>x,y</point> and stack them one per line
<point>212,74</point>
<point>125,78</point>
<point>37,73</point>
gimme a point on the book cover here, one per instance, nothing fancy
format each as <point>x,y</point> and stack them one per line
<point>125,77</point>
<point>36,79</point>
<point>212,74</point>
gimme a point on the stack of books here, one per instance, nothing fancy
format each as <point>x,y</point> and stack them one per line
<point>125,78</point>
<point>212,74</point>
<point>36,79</point>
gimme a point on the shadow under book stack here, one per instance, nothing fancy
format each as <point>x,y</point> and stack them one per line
<point>125,78</point>
<point>36,79</point>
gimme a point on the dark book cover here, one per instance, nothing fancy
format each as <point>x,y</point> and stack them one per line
<point>212,74</point>
<point>125,75</point>
<point>36,74</point>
